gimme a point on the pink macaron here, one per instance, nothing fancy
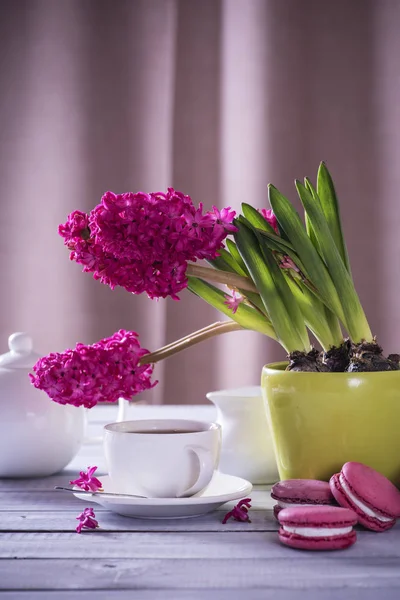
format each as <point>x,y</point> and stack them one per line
<point>374,499</point>
<point>317,528</point>
<point>300,492</point>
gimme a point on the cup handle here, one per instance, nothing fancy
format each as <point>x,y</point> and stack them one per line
<point>121,415</point>
<point>206,464</point>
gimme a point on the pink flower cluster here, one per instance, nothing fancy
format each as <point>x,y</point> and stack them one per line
<point>143,242</point>
<point>102,372</point>
<point>87,480</point>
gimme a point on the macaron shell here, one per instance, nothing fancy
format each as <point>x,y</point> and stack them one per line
<point>277,509</point>
<point>306,491</point>
<point>367,521</point>
<point>317,516</point>
<point>372,488</point>
<point>325,543</point>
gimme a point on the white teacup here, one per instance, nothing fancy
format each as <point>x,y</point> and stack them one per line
<point>165,458</point>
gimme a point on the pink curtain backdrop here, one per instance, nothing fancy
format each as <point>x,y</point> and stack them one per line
<point>216,98</point>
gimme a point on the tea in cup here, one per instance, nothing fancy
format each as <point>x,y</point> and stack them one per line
<point>163,458</point>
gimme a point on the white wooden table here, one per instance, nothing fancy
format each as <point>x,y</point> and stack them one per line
<point>42,557</point>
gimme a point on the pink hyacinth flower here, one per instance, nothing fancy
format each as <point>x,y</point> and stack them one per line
<point>144,242</point>
<point>87,520</point>
<point>102,372</point>
<point>287,263</point>
<point>239,512</point>
<point>87,481</point>
<point>269,216</point>
<point>233,301</point>
<point>224,218</point>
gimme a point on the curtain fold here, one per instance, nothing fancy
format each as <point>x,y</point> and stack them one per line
<point>216,98</point>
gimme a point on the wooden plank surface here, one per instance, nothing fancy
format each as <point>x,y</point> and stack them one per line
<point>205,594</point>
<point>59,521</point>
<point>319,572</point>
<point>22,500</point>
<point>182,545</point>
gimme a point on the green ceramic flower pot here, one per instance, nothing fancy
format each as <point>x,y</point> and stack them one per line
<point>319,421</point>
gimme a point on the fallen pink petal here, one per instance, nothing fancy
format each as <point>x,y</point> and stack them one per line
<point>87,520</point>
<point>239,512</point>
<point>87,481</point>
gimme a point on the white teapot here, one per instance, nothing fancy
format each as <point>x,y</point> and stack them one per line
<point>38,437</point>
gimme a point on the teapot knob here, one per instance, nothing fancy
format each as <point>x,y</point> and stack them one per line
<point>20,343</point>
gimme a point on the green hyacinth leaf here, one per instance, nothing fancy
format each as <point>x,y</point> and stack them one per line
<point>334,327</point>
<point>274,242</point>
<point>230,244</point>
<point>354,317</point>
<point>289,328</point>
<point>292,307</point>
<point>226,262</point>
<point>318,318</point>
<point>247,317</point>
<point>317,272</point>
<point>330,206</point>
<point>256,218</point>
<point>309,227</point>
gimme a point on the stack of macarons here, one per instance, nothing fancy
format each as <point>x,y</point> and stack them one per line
<point>310,518</point>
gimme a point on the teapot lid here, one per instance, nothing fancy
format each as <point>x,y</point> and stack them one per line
<point>21,354</point>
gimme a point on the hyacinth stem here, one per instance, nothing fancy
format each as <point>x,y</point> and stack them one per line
<point>217,276</point>
<point>190,336</point>
<point>190,340</point>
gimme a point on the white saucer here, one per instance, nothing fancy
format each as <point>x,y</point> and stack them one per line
<point>222,488</point>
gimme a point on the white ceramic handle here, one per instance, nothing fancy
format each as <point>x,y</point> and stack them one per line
<point>121,415</point>
<point>206,466</point>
